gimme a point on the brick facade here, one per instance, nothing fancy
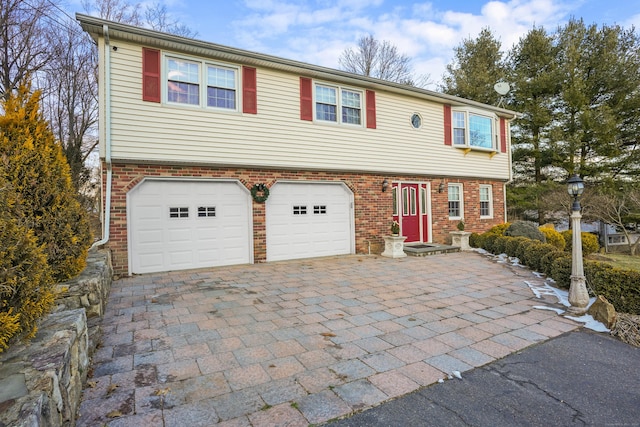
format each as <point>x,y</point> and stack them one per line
<point>372,207</point>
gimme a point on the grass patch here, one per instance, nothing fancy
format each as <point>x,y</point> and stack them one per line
<point>623,261</point>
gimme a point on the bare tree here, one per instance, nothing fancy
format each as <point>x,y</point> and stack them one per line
<point>380,59</point>
<point>24,41</point>
<point>114,10</point>
<point>158,18</point>
<point>71,98</point>
<point>619,208</point>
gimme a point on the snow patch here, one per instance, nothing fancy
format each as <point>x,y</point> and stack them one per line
<point>590,323</point>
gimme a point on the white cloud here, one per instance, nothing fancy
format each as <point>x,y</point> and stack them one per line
<point>319,31</point>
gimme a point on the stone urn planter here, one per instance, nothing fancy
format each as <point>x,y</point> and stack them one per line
<point>460,239</point>
<point>394,246</point>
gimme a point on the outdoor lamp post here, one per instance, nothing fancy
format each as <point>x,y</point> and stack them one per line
<point>578,295</point>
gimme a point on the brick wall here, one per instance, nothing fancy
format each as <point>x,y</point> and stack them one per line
<point>372,207</point>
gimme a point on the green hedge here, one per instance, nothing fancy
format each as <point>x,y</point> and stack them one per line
<point>620,287</point>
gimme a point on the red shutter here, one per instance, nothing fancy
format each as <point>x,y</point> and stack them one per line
<point>371,109</point>
<point>503,135</point>
<point>306,99</point>
<point>447,124</point>
<point>249,91</point>
<point>150,75</point>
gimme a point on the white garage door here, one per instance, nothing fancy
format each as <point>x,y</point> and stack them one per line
<point>176,225</point>
<point>308,220</point>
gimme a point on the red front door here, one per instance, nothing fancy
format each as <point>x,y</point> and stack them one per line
<point>410,211</point>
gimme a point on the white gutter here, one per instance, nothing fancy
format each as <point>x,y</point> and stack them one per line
<point>107,137</point>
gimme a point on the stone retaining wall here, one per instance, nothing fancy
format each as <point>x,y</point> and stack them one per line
<point>41,382</point>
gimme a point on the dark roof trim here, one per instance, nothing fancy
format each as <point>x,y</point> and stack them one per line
<point>119,31</point>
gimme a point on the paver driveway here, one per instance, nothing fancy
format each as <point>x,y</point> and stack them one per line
<point>301,342</point>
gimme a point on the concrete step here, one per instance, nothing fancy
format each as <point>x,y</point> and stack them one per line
<point>426,249</point>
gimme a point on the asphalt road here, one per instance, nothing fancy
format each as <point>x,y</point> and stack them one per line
<point>581,378</point>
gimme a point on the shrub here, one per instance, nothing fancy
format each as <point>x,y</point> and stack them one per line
<point>498,229</point>
<point>474,240</point>
<point>35,167</point>
<point>525,229</point>
<point>488,242</point>
<point>590,243</point>
<point>523,246</point>
<point>533,257</point>
<point>553,237</point>
<point>620,287</point>
<point>26,290</point>
<point>499,244</point>
<point>561,270</point>
<point>547,260</point>
<point>511,248</point>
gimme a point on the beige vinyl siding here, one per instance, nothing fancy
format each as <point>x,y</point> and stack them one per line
<point>277,138</point>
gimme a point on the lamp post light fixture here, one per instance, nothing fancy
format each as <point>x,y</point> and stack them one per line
<point>578,295</point>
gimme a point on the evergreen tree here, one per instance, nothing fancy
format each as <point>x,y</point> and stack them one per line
<point>534,79</point>
<point>37,170</point>
<point>596,124</point>
<point>478,65</point>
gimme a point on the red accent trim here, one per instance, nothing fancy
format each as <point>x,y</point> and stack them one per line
<point>306,99</point>
<point>503,135</point>
<point>249,90</point>
<point>447,124</point>
<point>371,109</point>
<point>150,75</point>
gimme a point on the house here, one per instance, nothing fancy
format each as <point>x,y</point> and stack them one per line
<point>216,156</point>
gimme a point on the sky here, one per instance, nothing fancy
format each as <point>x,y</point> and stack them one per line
<point>318,31</point>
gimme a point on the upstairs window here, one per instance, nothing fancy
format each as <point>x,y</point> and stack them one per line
<point>200,83</point>
<point>183,81</point>
<point>221,87</point>
<point>326,103</point>
<point>338,105</point>
<point>474,131</point>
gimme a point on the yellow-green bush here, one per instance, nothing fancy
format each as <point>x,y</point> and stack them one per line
<point>590,243</point>
<point>498,229</point>
<point>44,232</point>
<point>35,167</point>
<point>553,237</point>
<point>26,289</point>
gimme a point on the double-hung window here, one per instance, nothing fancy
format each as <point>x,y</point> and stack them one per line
<point>473,130</point>
<point>456,207</point>
<point>201,83</point>
<point>486,201</point>
<point>183,81</point>
<point>338,105</point>
<point>221,87</point>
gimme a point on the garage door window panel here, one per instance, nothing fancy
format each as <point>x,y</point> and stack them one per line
<point>320,209</point>
<point>206,211</point>
<point>179,212</point>
<point>300,210</point>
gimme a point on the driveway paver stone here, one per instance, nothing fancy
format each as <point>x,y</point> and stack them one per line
<point>303,342</point>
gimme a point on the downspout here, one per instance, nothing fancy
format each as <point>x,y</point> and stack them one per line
<point>107,137</point>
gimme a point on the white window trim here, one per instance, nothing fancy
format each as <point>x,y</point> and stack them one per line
<point>495,125</point>
<point>339,89</point>
<point>490,188</point>
<point>461,192</point>
<point>202,77</point>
